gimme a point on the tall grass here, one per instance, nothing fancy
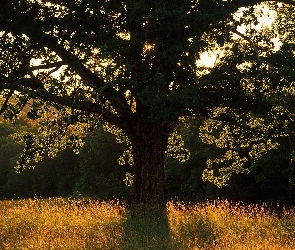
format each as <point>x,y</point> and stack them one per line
<point>59,224</point>
<point>223,225</point>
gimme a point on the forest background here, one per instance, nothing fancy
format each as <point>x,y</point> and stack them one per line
<point>95,172</point>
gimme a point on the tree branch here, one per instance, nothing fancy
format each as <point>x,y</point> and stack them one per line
<point>248,39</point>
<point>82,106</point>
<point>32,83</point>
<point>48,66</point>
<point>4,106</point>
<point>36,85</point>
<point>89,78</point>
<point>254,46</point>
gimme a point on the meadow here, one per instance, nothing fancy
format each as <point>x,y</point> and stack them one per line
<point>61,224</point>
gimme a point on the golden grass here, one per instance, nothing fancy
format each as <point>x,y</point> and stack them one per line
<point>223,225</point>
<point>59,224</point>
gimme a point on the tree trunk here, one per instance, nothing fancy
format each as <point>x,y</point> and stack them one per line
<point>149,144</point>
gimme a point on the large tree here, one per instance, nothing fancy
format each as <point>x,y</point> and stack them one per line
<point>131,64</point>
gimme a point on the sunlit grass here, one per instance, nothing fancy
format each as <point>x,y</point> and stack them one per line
<point>224,225</point>
<point>57,224</point>
<point>60,224</point>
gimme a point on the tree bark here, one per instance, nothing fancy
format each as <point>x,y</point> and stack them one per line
<point>149,145</point>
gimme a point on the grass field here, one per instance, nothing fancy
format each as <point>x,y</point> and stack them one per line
<point>59,224</point>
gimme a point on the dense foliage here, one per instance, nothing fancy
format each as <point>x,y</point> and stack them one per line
<point>133,68</point>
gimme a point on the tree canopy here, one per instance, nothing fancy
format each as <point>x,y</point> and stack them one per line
<point>132,67</point>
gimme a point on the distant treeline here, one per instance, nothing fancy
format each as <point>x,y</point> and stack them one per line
<point>95,173</point>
